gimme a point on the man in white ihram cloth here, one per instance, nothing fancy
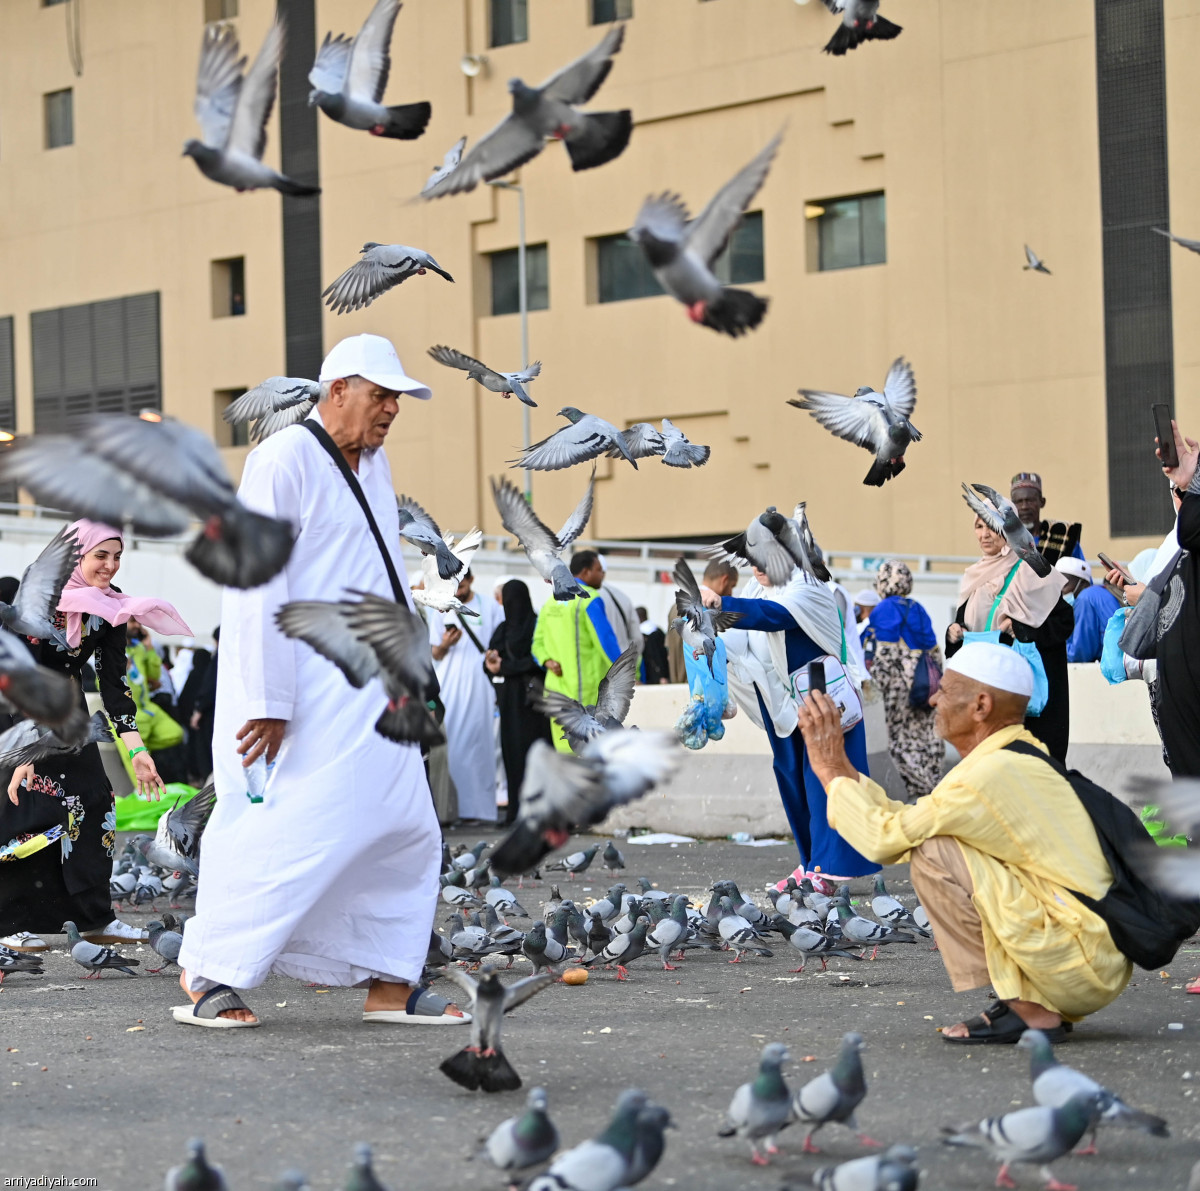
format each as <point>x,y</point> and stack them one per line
<point>324,867</point>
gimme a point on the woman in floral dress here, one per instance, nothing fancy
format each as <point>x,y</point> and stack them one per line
<point>57,823</point>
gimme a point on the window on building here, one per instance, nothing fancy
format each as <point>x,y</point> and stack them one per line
<point>604,12</point>
<point>228,434</point>
<point>742,261</point>
<point>52,3</point>
<point>229,287</point>
<point>506,284</point>
<point>849,231</point>
<point>101,357</point>
<point>60,118</point>
<point>220,10</point>
<point>8,400</point>
<point>509,22</point>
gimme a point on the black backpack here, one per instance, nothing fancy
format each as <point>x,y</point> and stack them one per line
<point>1146,925</point>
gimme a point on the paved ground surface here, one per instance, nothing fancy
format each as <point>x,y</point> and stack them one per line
<point>96,1080</point>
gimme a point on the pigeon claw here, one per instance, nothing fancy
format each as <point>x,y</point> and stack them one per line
<point>622,972</point>
<point>675,968</point>
<point>863,1139</point>
<point>1055,1185</point>
<point>808,1147</point>
<point>1003,1178</point>
<point>759,1160</point>
<point>1088,1149</point>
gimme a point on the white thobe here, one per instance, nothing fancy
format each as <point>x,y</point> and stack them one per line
<point>332,877</point>
<point>470,707</point>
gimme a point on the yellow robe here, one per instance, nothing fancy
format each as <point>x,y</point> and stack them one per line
<point>1027,840</point>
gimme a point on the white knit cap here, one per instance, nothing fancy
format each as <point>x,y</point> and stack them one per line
<point>1074,568</point>
<point>996,666</point>
<point>867,598</point>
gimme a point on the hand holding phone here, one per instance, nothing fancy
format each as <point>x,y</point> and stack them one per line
<point>1109,565</point>
<point>1167,453</point>
<point>816,677</point>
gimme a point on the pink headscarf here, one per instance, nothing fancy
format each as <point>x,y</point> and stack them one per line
<point>80,598</point>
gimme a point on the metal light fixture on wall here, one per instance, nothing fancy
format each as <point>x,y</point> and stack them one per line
<point>473,65</point>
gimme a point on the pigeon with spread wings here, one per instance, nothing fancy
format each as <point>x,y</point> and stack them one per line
<point>585,437</point>
<point>613,700</point>
<point>442,594</point>
<point>860,22</point>
<point>542,547</point>
<point>507,384</point>
<point>1000,515</point>
<point>775,545</point>
<point>642,441</point>
<point>449,164</point>
<point>277,402</point>
<point>419,529</point>
<point>696,624</point>
<point>379,269</point>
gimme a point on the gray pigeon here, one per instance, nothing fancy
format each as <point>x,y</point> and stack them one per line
<point>1034,262</point>
<point>669,933</point>
<point>503,900</point>
<point>33,607</point>
<point>834,1095</point>
<point>524,1141</point>
<point>542,547</point>
<point>613,857</point>
<point>195,1174</point>
<point>760,1109</point>
<point>381,267</point>
<point>93,957</point>
<point>865,933</point>
<point>176,844</point>
<point>575,862</point>
<point>623,949</point>
<point>232,111</point>
<point>373,638</point>
<point>543,950</point>
<point>888,1171</point>
<point>1054,1084</point>
<point>642,440</point>
<point>19,961</point>
<point>681,251</point>
<point>696,624</point>
<point>164,943</point>
<point>739,935</point>
<point>361,1176</point>
<point>273,405</point>
<point>585,437</point>
<point>350,76</point>
<point>808,940</point>
<point>507,384</point>
<point>419,529</point>
<point>28,742</point>
<point>610,905</point>
<point>877,421</point>
<point>1191,245</point>
<point>483,1064</point>
<point>32,690</point>
<point>449,164</point>
<point>860,22</point>
<point>649,1142</point>
<point>1032,1136</point>
<point>548,112</point>
<point>613,700</point>
<point>604,1163</point>
<point>890,910</point>
<point>1000,515</point>
<point>775,545</point>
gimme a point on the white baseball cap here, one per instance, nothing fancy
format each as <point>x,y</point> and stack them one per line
<point>867,598</point>
<point>995,666</point>
<point>373,358</point>
<point>1074,568</point>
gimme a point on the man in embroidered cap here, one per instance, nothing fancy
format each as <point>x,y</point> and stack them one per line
<point>1055,539</point>
<point>995,851</point>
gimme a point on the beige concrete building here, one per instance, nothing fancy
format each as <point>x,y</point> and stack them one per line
<point>984,126</point>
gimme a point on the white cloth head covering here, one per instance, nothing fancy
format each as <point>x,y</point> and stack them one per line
<point>996,666</point>
<point>867,598</point>
<point>1074,568</point>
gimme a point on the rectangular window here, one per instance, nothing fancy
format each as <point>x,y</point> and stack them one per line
<point>604,12</point>
<point>850,231</point>
<point>506,283</point>
<point>52,3</point>
<point>8,400</point>
<point>742,261</point>
<point>228,434</point>
<point>509,22</point>
<point>220,10</point>
<point>101,357</point>
<point>229,287</point>
<point>60,118</point>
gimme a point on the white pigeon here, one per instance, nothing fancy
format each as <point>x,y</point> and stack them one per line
<point>438,593</point>
<point>233,110</point>
<point>350,76</point>
<point>449,163</point>
<point>380,267</point>
<point>277,402</point>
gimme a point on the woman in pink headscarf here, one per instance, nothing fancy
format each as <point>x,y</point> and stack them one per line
<point>67,800</point>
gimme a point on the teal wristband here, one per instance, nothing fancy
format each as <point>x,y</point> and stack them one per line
<point>140,749</point>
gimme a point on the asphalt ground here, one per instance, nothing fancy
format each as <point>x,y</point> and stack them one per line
<point>97,1081</point>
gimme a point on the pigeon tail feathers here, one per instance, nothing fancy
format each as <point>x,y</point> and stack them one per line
<point>884,470</point>
<point>599,138</point>
<point>735,312</point>
<point>290,186</point>
<point>405,121</point>
<point>241,549</point>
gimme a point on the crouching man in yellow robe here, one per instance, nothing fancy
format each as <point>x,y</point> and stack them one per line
<point>995,850</point>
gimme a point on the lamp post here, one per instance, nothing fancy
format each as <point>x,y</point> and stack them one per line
<point>523,305</point>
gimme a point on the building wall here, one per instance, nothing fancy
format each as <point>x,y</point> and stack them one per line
<point>979,122</point>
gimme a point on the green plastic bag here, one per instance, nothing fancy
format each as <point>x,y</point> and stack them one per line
<point>140,814</point>
<point>1157,829</point>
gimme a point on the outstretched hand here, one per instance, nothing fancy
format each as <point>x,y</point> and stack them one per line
<point>820,721</point>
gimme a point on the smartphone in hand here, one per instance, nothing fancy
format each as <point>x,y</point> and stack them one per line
<point>816,677</point>
<point>1109,565</point>
<point>1166,434</point>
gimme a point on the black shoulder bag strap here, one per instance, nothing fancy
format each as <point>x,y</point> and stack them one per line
<point>467,629</point>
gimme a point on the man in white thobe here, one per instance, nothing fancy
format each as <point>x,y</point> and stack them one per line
<point>459,644</point>
<point>321,858</point>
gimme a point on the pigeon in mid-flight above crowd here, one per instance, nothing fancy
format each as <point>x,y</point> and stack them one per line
<point>548,112</point>
<point>877,421</point>
<point>613,700</point>
<point>1000,515</point>
<point>642,441</point>
<point>696,624</point>
<point>1190,245</point>
<point>28,742</point>
<point>350,76</point>
<point>233,110</point>
<point>33,607</point>
<point>442,594</point>
<point>775,545</point>
<point>681,250</point>
<point>278,402</point>
<point>860,22</point>
<point>542,546</point>
<point>1034,262</point>
<point>419,529</point>
<point>380,267</point>
<point>507,384</point>
<point>586,437</point>
<point>449,163</point>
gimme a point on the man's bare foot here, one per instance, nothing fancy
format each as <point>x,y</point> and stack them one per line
<point>1035,1017</point>
<point>385,995</point>
<point>233,1014</point>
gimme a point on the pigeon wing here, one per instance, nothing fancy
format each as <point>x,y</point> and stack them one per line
<point>984,511</point>
<point>575,720</point>
<point>463,979</point>
<point>577,82</point>
<point>396,634</point>
<point>518,517</point>
<point>328,72</point>
<point>248,132</point>
<point>453,358</point>
<point>218,83</point>
<point>186,821</point>
<point>526,374</point>
<point>900,389</point>
<point>730,550</point>
<point>615,695</point>
<point>576,523</point>
<point>768,554</point>
<point>664,217</point>
<point>273,394</point>
<point>520,991</point>
<point>687,597</point>
<point>418,513</point>
<point>641,440</point>
<point>281,420</point>
<point>852,418</point>
<point>557,790</point>
<point>510,144</point>
<point>577,442</point>
<point>44,579</point>
<point>370,54</point>
<point>325,627</point>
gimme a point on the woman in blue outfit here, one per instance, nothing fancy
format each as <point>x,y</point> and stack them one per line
<point>806,616</point>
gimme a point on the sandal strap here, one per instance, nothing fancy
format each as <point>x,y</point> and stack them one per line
<point>424,1003</point>
<point>217,1001</point>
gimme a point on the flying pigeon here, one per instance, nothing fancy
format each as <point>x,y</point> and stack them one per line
<point>441,594</point>
<point>1034,262</point>
<point>1001,517</point>
<point>350,76</point>
<point>373,638</point>
<point>542,547</point>
<point>30,614</point>
<point>677,450</point>
<point>28,742</point>
<point>176,842</point>
<point>156,476</point>
<point>419,529</point>
<point>196,1174</point>
<point>1054,1084</point>
<point>877,421</point>
<point>682,250</point>
<point>278,402</point>
<point>696,624</point>
<point>834,1095</point>
<point>860,22</point>
<point>482,1064</point>
<point>775,545</point>
<point>93,957</point>
<point>507,384</point>
<point>613,700</point>
<point>33,690</point>
<point>548,112</point>
<point>586,437</point>
<point>524,1141</point>
<point>604,1163</point>
<point>1191,245</point>
<point>761,1108</point>
<point>19,961</point>
<point>1033,1136</point>
<point>381,267</point>
<point>233,110</point>
<point>893,1170</point>
<point>449,164</point>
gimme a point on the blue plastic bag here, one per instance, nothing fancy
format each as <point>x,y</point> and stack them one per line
<point>1112,657</point>
<point>1029,651</point>
<point>702,720</point>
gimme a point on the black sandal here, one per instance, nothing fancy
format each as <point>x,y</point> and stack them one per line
<point>999,1025</point>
